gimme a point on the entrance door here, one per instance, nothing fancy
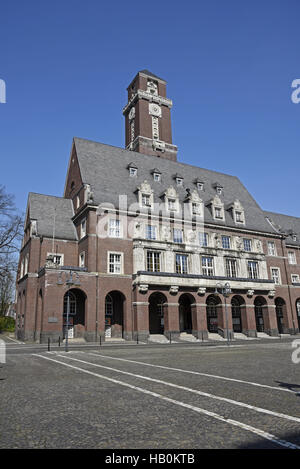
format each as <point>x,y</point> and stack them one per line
<point>156,314</point>
<point>279,314</point>
<point>185,315</point>
<point>259,318</point>
<point>212,316</point>
<point>236,316</point>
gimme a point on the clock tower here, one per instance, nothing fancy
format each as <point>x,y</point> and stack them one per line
<point>148,117</point>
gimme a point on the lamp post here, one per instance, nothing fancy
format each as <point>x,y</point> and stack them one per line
<point>225,290</point>
<point>69,282</point>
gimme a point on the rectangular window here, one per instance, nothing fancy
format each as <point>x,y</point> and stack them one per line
<point>247,244</point>
<point>146,201</point>
<point>239,217</point>
<point>218,212</point>
<point>275,273</point>
<point>252,269</point>
<point>231,268</point>
<point>295,278</point>
<point>271,248</point>
<point>179,181</point>
<point>153,261</point>
<point>177,235</point>
<point>203,239</point>
<point>171,204</point>
<point>132,172</point>
<point>114,228</point>
<point>151,232</point>
<point>156,177</point>
<point>115,263</point>
<point>292,257</point>
<point>208,266</point>
<point>83,228</point>
<point>195,208</point>
<point>181,264</point>
<point>225,242</point>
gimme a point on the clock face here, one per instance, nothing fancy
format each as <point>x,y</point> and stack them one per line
<point>154,109</point>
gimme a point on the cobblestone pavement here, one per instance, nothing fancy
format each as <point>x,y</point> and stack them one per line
<point>111,397</point>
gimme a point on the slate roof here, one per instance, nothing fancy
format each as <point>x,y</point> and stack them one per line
<point>286,224</point>
<point>146,72</point>
<point>41,208</point>
<point>104,167</point>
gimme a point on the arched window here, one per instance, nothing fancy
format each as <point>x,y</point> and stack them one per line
<point>72,303</point>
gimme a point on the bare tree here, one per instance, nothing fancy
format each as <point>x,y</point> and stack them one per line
<point>11,227</point>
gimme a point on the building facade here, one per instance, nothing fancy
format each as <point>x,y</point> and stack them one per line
<point>141,244</point>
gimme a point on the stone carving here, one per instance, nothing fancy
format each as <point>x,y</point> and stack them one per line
<point>250,292</point>
<point>143,288</point>
<point>201,291</point>
<point>166,233</point>
<point>152,87</point>
<point>173,289</point>
<point>239,243</point>
<point>154,110</point>
<point>89,196</point>
<point>258,246</point>
<point>271,293</point>
<point>217,241</point>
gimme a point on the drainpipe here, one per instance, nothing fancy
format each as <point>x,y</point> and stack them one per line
<point>287,280</point>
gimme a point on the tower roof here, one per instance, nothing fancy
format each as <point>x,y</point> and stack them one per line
<point>146,72</point>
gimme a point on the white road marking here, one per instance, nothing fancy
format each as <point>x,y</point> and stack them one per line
<point>256,431</point>
<point>196,373</point>
<point>14,340</point>
<point>195,391</point>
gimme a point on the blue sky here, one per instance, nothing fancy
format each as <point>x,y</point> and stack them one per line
<point>229,67</point>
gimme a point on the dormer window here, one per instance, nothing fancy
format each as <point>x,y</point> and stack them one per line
<point>237,212</point>
<point>132,169</point>
<point>145,195</point>
<point>146,202</point>
<point>156,175</point>
<point>239,217</point>
<point>172,204</point>
<point>218,187</point>
<point>179,181</point>
<point>200,186</point>
<point>294,237</point>
<point>218,213</point>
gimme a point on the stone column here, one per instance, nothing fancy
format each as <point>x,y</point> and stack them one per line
<point>270,319</point>
<point>171,320</point>
<point>223,324</point>
<point>199,321</point>
<point>248,320</point>
<point>140,320</point>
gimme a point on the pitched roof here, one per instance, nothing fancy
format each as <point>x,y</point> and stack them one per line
<point>285,224</point>
<point>146,72</point>
<point>104,167</point>
<point>42,209</point>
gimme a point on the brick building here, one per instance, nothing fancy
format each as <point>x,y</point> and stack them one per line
<point>139,244</point>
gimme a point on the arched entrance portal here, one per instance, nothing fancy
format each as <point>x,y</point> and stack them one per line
<point>279,306</point>
<point>156,313</point>
<point>185,313</point>
<point>76,299</point>
<point>114,306</point>
<point>212,303</point>
<point>259,304</point>
<point>236,310</point>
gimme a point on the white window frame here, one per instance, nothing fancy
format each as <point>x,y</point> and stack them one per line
<point>175,238</point>
<point>231,267</point>
<point>154,254</point>
<point>249,240</point>
<point>182,264</point>
<point>179,181</point>
<point>253,274</point>
<point>276,278</point>
<point>227,239</point>
<point>298,278</point>
<point>206,269</point>
<point>292,257</point>
<point>203,236</point>
<point>150,229</point>
<point>271,248</point>
<point>132,172</point>
<point>221,217</point>
<point>109,263</point>
<point>57,254</point>
<point>114,228</point>
<point>157,177</point>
